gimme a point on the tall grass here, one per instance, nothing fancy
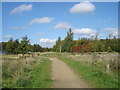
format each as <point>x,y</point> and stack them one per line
<point>94,75</point>
<point>108,61</point>
<point>19,72</point>
<point>40,77</point>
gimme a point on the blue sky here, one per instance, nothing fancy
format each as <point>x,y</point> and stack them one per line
<point>43,22</point>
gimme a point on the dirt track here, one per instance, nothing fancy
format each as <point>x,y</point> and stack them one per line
<point>64,77</point>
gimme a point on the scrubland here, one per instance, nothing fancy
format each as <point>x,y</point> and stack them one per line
<point>101,70</point>
<point>25,72</point>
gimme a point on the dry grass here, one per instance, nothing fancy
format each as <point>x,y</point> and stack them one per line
<point>13,67</point>
<point>99,69</point>
<point>106,61</point>
<point>103,60</point>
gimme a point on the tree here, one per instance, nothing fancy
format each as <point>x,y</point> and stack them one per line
<point>102,48</point>
<point>4,46</point>
<point>24,46</point>
<point>68,42</point>
<point>10,46</point>
<point>37,48</point>
<point>56,47</point>
<point>16,46</point>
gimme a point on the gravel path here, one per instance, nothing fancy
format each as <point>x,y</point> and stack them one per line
<point>64,77</point>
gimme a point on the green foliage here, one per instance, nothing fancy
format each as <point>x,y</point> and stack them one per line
<point>24,46</point>
<point>68,42</point>
<point>37,48</point>
<point>10,46</point>
<point>23,82</point>
<point>56,47</point>
<point>4,45</point>
<point>66,45</point>
<point>88,44</point>
<point>16,46</point>
<point>47,49</point>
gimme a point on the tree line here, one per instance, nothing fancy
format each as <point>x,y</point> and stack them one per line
<point>21,47</point>
<point>66,45</point>
<point>86,44</point>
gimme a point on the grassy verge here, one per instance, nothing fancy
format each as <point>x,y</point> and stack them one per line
<point>42,75</point>
<point>97,77</point>
<point>38,75</point>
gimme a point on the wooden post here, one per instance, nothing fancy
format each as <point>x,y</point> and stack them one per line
<point>60,48</point>
<point>108,68</point>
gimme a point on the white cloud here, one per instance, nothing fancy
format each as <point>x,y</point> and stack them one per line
<point>63,25</point>
<point>82,8</point>
<point>8,36</point>
<point>113,31</point>
<point>19,28</point>
<point>85,31</point>
<point>41,20</point>
<point>45,42</point>
<point>21,8</point>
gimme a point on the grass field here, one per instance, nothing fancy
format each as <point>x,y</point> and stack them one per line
<point>28,73</point>
<point>92,71</point>
<point>95,76</point>
<point>35,72</point>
